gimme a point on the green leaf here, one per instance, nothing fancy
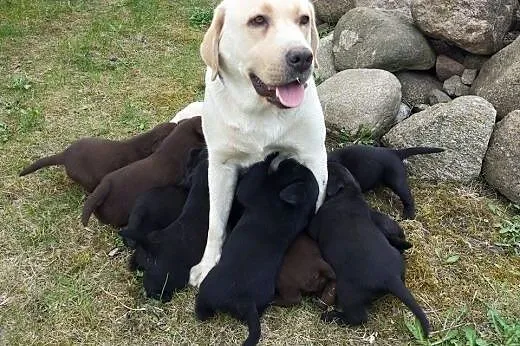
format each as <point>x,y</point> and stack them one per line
<point>452,259</point>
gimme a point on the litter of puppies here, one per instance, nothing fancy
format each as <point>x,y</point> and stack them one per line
<point>277,250</point>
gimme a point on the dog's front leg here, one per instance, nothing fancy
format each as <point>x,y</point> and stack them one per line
<point>222,179</point>
<point>318,166</point>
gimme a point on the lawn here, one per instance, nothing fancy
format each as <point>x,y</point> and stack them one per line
<point>114,68</point>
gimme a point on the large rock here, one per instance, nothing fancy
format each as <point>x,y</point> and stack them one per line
<point>325,59</point>
<point>369,38</point>
<point>499,80</point>
<point>330,11</point>
<point>478,26</point>
<point>417,86</point>
<point>399,6</point>
<point>463,127</point>
<point>358,98</point>
<point>502,162</point>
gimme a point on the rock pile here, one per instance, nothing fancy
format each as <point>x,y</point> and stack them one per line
<point>440,52</point>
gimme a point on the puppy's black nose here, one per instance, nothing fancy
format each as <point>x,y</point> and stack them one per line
<point>300,59</point>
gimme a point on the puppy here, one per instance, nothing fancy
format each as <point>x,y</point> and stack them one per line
<point>392,232</point>
<point>154,210</point>
<point>373,166</point>
<point>277,207</point>
<point>115,195</point>
<point>167,255</point>
<point>303,271</point>
<point>365,263</point>
<point>88,160</point>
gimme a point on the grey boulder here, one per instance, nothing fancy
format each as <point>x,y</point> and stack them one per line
<point>478,26</point>
<point>325,59</point>
<point>462,127</point>
<point>369,38</point>
<point>330,11</point>
<point>502,163</point>
<point>361,98</point>
<point>399,6</point>
<point>499,80</point>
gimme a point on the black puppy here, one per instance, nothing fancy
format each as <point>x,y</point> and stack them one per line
<point>167,255</point>
<point>373,166</point>
<point>154,210</point>
<point>277,207</point>
<point>159,207</point>
<point>365,263</point>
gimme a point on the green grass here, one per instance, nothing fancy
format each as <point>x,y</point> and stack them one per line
<point>115,68</point>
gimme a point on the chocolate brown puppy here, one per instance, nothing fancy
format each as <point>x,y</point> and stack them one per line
<point>88,160</point>
<point>303,271</point>
<point>115,195</point>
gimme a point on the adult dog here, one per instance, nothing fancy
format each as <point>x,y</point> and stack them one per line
<point>260,98</point>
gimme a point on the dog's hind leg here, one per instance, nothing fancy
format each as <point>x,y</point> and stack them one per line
<point>397,180</point>
<point>251,316</point>
<point>94,200</point>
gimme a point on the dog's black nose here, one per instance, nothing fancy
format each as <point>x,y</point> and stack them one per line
<point>299,59</point>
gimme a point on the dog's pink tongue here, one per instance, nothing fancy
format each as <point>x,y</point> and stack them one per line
<point>290,95</point>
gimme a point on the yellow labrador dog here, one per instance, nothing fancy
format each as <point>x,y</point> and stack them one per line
<point>260,98</point>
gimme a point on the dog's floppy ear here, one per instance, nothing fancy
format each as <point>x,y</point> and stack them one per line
<point>209,48</point>
<point>315,37</point>
<point>294,193</point>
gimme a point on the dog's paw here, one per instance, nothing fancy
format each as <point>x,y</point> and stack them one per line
<point>199,272</point>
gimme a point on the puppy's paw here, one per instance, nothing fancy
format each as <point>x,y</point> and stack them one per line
<point>333,316</point>
<point>199,272</point>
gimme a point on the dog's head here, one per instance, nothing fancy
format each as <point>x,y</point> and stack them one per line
<point>292,185</point>
<point>270,44</point>
<point>159,133</point>
<point>340,180</point>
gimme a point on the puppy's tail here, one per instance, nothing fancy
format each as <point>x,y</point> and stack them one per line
<point>407,152</point>
<point>250,314</point>
<point>94,200</point>
<point>396,287</point>
<point>52,160</point>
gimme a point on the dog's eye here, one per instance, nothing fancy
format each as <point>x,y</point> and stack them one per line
<point>258,21</point>
<point>304,20</point>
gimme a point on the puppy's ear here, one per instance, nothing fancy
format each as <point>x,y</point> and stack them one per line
<point>209,47</point>
<point>294,193</point>
<point>315,37</point>
<point>334,186</point>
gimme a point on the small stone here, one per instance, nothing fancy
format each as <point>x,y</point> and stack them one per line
<point>445,67</point>
<point>437,96</point>
<point>419,108</point>
<point>113,252</point>
<point>450,85</point>
<point>468,76</point>
<point>461,90</point>
<point>403,113</point>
